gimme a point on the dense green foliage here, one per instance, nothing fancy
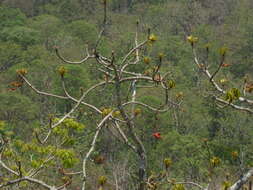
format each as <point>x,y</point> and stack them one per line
<point>192,136</point>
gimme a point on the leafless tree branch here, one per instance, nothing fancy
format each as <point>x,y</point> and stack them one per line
<point>99,127</point>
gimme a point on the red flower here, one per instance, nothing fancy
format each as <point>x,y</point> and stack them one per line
<point>157,135</point>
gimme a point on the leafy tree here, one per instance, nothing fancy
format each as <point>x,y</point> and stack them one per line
<point>23,36</point>
<point>86,32</point>
<point>48,27</point>
<point>11,17</point>
<point>11,54</point>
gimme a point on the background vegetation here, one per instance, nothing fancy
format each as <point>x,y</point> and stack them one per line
<point>191,136</point>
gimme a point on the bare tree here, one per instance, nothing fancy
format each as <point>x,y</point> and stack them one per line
<point>221,95</point>
<point>116,73</point>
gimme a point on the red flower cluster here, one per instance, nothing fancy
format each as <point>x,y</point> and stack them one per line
<point>157,135</point>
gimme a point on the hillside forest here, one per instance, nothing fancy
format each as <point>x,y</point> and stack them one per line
<point>126,94</point>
